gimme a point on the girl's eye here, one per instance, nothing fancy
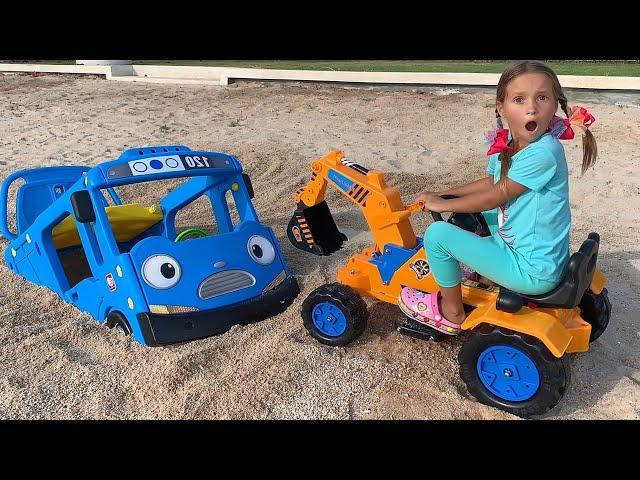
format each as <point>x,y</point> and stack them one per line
<point>542,97</point>
<point>518,99</point>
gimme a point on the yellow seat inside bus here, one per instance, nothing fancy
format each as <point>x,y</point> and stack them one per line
<point>127,222</point>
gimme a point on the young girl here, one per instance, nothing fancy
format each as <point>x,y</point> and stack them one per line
<point>527,189</point>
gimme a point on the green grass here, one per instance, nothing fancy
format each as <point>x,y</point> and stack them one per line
<point>622,68</point>
<point>44,62</point>
<point>629,68</point>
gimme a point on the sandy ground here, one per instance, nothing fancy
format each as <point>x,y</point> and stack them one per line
<point>59,363</point>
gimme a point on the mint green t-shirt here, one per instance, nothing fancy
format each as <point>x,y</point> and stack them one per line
<point>535,224</point>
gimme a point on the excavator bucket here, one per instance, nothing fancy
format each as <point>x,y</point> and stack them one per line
<point>313,230</point>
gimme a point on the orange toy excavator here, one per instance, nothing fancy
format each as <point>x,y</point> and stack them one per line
<point>516,359</point>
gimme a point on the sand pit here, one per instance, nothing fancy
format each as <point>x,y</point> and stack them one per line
<point>58,363</point>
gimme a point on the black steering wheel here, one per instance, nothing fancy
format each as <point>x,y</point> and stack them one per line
<point>472,222</point>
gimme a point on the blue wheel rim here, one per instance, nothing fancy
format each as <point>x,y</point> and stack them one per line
<point>329,319</point>
<point>508,373</point>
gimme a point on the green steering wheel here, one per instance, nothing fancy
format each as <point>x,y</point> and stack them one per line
<point>195,232</point>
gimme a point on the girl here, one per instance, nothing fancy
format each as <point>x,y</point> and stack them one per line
<point>527,189</point>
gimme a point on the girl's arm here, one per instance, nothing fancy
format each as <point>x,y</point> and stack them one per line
<point>466,189</point>
<point>477,201</point>
<point>475,186</point>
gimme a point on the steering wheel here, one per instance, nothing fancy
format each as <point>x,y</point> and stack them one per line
<point>190,232</point>
<point>472,222</point>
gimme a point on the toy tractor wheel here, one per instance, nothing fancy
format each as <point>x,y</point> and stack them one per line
<point>119,323</point>
<point>334,314</point>
<point>596,309</point>
<point>513,372</point>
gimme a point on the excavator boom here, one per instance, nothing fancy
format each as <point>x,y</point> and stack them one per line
<point>312,227</point>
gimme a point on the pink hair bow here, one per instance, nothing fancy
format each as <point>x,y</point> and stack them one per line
<point>499,140</point>
<point>579,119</point>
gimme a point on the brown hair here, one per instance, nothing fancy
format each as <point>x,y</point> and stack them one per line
<point>589,146</point>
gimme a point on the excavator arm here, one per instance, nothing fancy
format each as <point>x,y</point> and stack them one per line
<point>312,227</point>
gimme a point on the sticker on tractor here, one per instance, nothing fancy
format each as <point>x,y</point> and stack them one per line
<point>355,166</point>
<point>296,233</point>
<point>111,283</point>
<point>488,288</point>
<point>340,180</point>
<point>421,268</point>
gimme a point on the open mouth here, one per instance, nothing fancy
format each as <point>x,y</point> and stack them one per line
<point>531,126</point>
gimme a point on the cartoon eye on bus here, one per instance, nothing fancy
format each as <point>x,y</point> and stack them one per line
<point>128,266</point>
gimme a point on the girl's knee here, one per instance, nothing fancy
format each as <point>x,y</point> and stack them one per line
<point>437,232</point>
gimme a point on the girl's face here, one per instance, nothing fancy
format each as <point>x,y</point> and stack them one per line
<point>528,107</point>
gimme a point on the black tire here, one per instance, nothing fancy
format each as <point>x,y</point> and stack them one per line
<point>118,321</point>
<point>596,309</point>
<point>554,373</point>
<point>350,304</point>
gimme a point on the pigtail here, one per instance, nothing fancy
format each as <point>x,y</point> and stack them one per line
<point>589,145</point>
<point>505,157</point>
<point>589,150</point>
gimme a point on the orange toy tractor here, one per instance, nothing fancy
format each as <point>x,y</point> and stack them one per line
<point>515,360</point>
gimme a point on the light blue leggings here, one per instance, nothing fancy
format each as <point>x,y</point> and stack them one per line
<point>447,245</point>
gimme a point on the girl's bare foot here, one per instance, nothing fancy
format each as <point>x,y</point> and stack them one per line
<point>451,313</point>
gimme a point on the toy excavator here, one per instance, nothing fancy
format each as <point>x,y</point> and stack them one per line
<point>515,360</point>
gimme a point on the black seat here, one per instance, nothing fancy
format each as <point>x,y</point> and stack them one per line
<point>577,278</point>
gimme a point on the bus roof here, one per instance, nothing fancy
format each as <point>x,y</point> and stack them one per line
<point>158,163</point>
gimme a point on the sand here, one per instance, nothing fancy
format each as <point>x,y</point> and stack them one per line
<point>58,363</point>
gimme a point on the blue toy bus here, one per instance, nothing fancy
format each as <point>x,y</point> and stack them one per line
<point>128,266</point>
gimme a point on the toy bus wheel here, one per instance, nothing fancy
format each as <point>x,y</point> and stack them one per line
<point>119,323</point>
<point>513,372</point>
<point>596,309</point>
<point>334,314</point>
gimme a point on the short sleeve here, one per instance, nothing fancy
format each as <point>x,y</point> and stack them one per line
<point>533,168</point>
<point>491,166</point>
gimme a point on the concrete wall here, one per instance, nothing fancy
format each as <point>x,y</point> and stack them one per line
<point>104,62</point>
<point>223,75</point>
<point>25,67</point>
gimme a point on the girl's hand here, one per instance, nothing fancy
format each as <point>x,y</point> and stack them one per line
<point>422,196</point>
<point>433,202</point>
